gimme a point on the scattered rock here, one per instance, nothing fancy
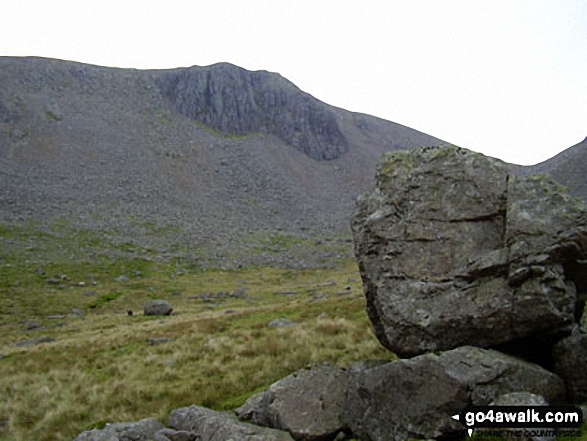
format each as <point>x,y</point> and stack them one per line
<point>35,341</point>
<point>53,281</point>
<point>122,278</point>
<point>219,426</point>
<point>143,430</point>
<point>32,325</point>
<point>281,322</point>
<point>90,293</point>
<point>308,404</point>
<point>570,357</point>
<point>454,251</point>
<point>55,317</point>
<point>154,341</point>
<point>158,307</point>
<point>416,398</point>
<point>76,312</point>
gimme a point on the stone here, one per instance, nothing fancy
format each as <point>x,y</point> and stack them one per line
<point>454,250</point>
<point>570,363</point>
<point>308,404</point>
<point>416,398</point>
<point>158,307</point>
<point>281,322</point>
<point>55,317</point>
<point>175,435</point>
<point>155,341</point>
<point>143,430</point>
<point>123,278</point>
<point>35,341</point>
<point>32,325</point>
<point>211,425</point>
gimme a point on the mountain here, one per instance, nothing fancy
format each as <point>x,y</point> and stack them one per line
<point>219,163</point>
<point>568,168</point>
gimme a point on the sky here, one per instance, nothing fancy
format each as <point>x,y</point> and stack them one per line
<point>507,78</point>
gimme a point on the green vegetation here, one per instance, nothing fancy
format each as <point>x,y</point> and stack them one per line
<point>101,367</point>
<point>51,116</point>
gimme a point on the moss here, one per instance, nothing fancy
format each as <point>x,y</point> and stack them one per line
<point>51,116</point>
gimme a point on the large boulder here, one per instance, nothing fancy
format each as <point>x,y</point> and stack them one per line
<point>570,358</point>
<point>211,425</point>
<point>308,404</point>
<point>416,398</point>
<point>157,307</point>
<point>454,250</point>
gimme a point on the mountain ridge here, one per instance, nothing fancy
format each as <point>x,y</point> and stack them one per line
<point>228,165</point>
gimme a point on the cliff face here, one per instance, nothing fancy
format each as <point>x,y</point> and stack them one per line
<point>238,102</point>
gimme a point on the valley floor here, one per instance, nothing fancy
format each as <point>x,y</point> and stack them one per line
<point>72,358</point>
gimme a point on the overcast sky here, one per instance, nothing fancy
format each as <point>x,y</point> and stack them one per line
<point>507,78</point>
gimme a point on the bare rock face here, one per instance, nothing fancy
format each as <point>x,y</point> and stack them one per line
<point>454,250</point>
<point>239,102</point>
<point>416,398</point>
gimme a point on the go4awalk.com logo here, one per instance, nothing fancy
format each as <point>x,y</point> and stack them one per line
<point>520,417</point>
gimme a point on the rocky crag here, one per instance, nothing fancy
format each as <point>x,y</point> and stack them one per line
<point>501,265</point>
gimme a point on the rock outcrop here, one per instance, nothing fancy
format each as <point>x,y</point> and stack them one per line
<point>238,102</point>
<point>454,250</point>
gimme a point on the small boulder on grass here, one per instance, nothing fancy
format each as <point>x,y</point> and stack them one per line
<point>158,307</point>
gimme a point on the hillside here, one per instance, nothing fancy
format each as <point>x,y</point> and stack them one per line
<point>568,167</point>
<point>217,163</point>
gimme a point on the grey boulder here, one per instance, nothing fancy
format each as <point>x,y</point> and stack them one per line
<point>211,425</point>
<point>454,250</point>
<point>157,307</point>
<point>308,404</point>
<point>415,398</point>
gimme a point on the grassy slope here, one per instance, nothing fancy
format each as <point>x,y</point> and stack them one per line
<point>101,368</point>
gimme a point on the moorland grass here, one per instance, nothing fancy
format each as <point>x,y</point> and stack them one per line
<point>101,367</point>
